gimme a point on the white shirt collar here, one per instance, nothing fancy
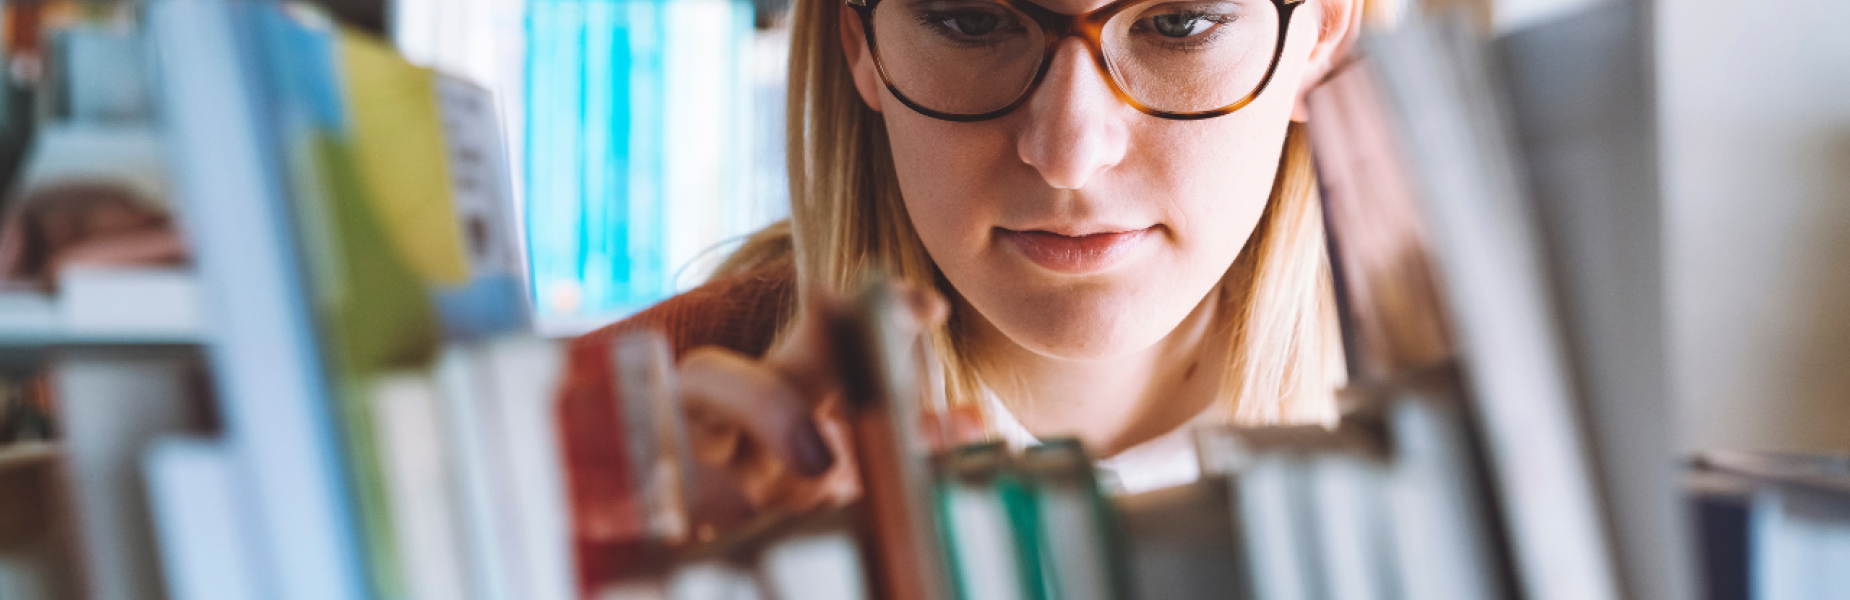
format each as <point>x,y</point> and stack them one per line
<point>1165,461</point>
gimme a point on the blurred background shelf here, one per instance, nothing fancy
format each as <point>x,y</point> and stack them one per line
<point>105,307</point>
<point>27,454</point>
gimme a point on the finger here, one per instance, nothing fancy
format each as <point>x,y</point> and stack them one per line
<point>923,308</point>
<point>723,387</point>
<point>808,357</point>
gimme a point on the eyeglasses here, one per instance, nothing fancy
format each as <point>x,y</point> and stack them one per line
<point>974,60</point>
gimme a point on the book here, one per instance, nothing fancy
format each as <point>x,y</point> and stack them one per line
<point>495,299</point>
<point>1438,80</point>
<point>484,518</point>
<point>630,475</point>
<point>398,146</point>
<point>991,534</point>
<point>126,301</point>
<point>1772,526</point>
<point>420,490</point>
<point>205,548</point>
<point>1584,112</point>
<point>505,477</point>
<point>1079,536</point>
<point>265,359</point>
<point>520,377</point>
<point>1184,541</point>
<point>370,311</point>
<point>111,407</point>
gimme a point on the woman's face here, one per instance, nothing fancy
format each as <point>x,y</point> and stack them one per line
<point>1077,226</point>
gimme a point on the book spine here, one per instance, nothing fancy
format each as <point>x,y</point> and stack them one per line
<point>1488,252</point>
<point>109,408</point>
<point>276,404</point>
<point>201,519</point>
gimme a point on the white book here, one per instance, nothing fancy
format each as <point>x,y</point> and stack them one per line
<point>487,522</point>
<point>983,548</point>
<point>109,410</point>
<point>713,580</point>
<point>824,565</point>
<point>520,378</point>
<point>494,299</point>
<point>27,314</point>
<point>1488,251</point>
<point>1078,564</point>
<point>129,301</point>
<point>199,511</point>
<point>1348,504</point>
<point>1443,541</point>
<point>1799,545</point>
<point>1276,547</point>
<point>414,457</point>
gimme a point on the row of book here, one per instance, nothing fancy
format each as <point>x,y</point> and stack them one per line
<point>643,149</point>
<point>401,445</point>
<point>1392,504</point>
<point>356,409</point>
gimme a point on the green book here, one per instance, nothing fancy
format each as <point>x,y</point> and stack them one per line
<point>371,311</point>
<point>1076,532</point>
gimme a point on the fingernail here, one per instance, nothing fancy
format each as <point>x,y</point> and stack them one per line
<point>808,453</point>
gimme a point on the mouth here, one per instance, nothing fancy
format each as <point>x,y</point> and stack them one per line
<point>1075,254</point>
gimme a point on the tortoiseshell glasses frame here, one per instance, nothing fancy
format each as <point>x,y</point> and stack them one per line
<point>1089,27</point>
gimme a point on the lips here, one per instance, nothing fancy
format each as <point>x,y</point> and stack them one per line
<point>1075,254</point>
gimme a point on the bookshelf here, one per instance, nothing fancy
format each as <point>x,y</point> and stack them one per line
<point>273,501</point>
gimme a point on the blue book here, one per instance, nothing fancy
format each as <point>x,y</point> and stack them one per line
<point>193,493</point>
<point>269,374</point>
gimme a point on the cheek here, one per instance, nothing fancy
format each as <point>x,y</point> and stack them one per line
<point>952,177</point>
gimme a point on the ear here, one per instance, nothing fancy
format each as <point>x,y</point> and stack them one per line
<point>1339,22</point>
<point>860,58</point>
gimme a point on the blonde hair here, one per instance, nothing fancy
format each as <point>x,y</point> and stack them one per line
<point>1277,309</point>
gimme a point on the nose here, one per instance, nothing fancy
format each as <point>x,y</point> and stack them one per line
<point>1075,127</point>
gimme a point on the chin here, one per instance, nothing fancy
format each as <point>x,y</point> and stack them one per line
<point>1088,323</point>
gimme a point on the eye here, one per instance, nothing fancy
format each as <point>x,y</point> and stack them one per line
<point>1181,25</point>
<point>972,23</point>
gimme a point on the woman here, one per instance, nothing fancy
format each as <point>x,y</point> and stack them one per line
<point>1108,224</point>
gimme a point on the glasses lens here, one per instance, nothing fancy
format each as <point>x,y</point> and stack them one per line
<point>964,57</point>
<point>1192,56</point>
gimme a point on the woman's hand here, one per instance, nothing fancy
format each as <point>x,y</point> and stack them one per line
<point>777,426</point>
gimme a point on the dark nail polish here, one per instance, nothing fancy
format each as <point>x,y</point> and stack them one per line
<point>809,455</point>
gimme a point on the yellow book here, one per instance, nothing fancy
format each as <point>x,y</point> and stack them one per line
<point>398,141</point>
